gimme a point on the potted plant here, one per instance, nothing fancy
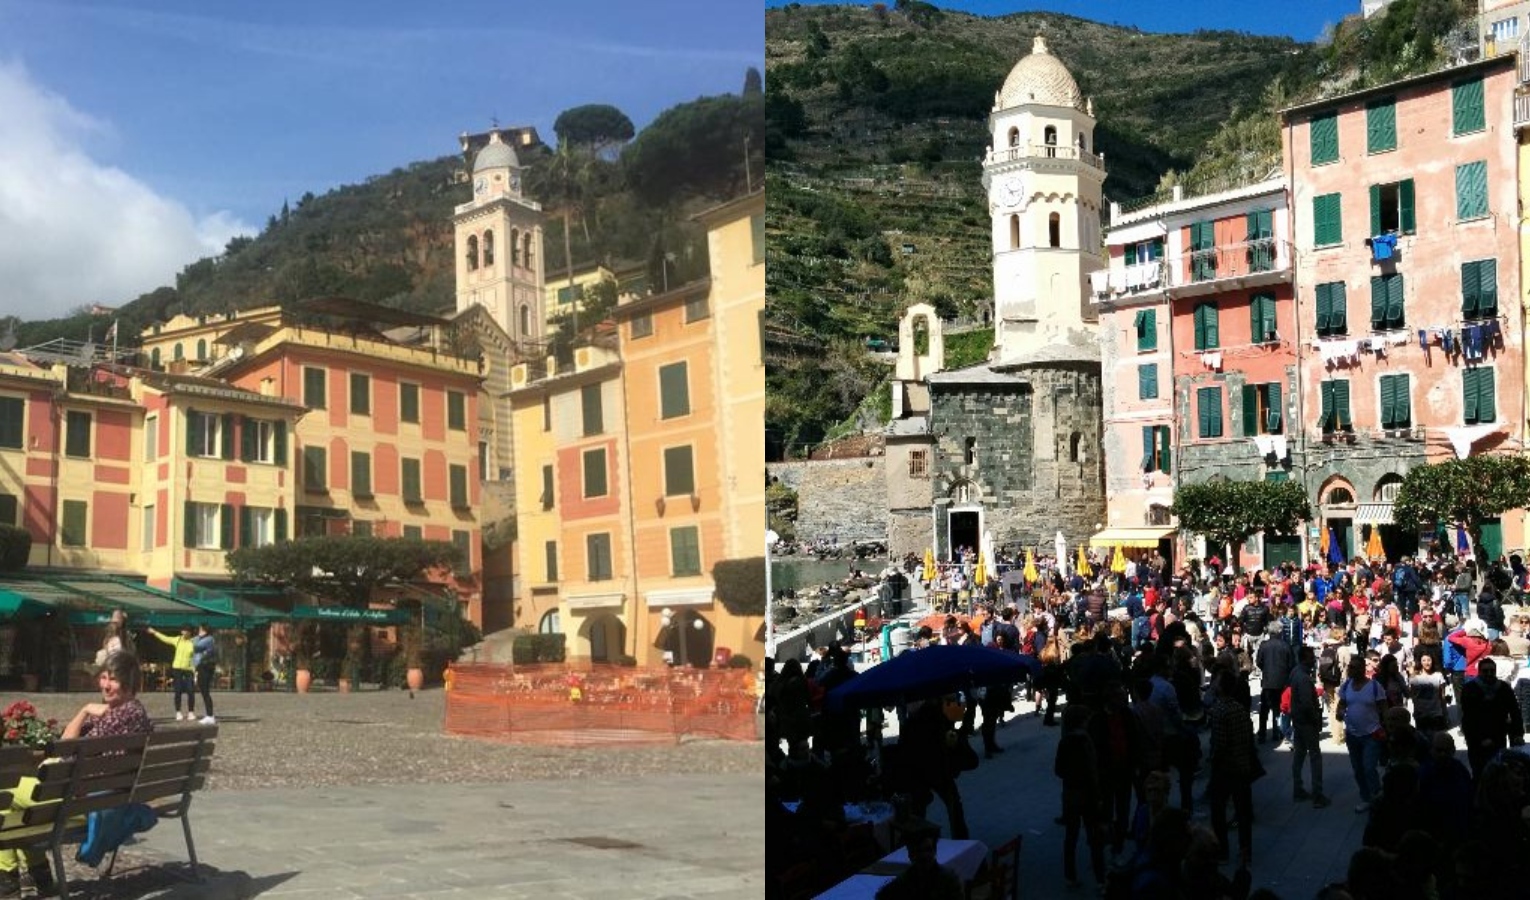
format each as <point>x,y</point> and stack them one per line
<point>302,656</point>
<point>21,726</point>
<point>413,641</point>
<point>355,656</point>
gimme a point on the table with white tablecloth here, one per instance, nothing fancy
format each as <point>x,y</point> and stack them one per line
<point>965,857</point>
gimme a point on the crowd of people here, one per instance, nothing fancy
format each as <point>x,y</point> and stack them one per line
<point>1163,675</point>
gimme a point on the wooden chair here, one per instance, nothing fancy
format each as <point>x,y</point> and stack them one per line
<point>1004,870</point>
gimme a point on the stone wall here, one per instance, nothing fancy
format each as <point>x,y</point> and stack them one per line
<point>844,499</point>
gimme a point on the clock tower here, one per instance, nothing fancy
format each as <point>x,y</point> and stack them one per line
<point>499,245</point>
<point>1044,182</point>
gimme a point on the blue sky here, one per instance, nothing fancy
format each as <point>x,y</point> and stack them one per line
<point>1300,19</point>
<point>142,135</point>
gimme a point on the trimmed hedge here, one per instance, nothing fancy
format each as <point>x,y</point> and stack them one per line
<point>741,585</point>
<point>527,649</point>
<point>15,548</point>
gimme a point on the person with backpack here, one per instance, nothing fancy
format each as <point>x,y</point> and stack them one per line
<point>1306,719</point>
<point>1332,661</point>
<point>1274,660</point>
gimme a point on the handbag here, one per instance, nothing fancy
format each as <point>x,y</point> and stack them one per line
<point>963,758</point>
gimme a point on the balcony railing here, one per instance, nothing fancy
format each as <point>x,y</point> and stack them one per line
<point>1521,109</point>
<point>1242,260</point>
<point>1045,151</point>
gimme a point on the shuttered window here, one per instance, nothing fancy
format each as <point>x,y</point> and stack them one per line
<point>1396,404</point>
<point>408,402</point>
<point>674,391</point>
<point>1146,322</point>
<point>72,533</point>
<point>411,481</point>
<point>1261,309</point>
<point>589,402</point>
<point>1206,332</point>
<point>595,473</point>
<point>456,410</point>
<point>361,475</point>
<point>1203,254</point>
<point>597,548</point>
<point>1479,289</point>
<point>361,394</point>
<point>1208,403</point>
<point>458,482</point>
<point>314,395</point>
<point>1261,409</point>
<point>1471,191</point>
<point>679,471</point>
<point>314,476</point>
<point>1387,302</point>
<point>1479,403</point>
<point>77,434</point>
<point>1466,110</point>
<point>1381,125</point>
<point>1393,207</point>
<point>1324,131</point>
<point>685,550</point>
<point>1155,448</point>
<point>1332,309</point>
<point>1147,382</point>
<point>1335,415</point>
<point>9,507</point>
<point>12,417</point>
<point>1261,246</point>
<point>1327,225</point>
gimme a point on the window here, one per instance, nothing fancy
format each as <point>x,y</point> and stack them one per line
<point>205,527</point>
<point>1206,336</point>
<point>597,550</point>
<point>550,623</point>
<point>1054,230</point>
<point>547,487</point>
<point>201,349</point>
<point>456,477</point>
<point>919,464</point>
<point>414,532</point>
<point>488,248</point>
<point>12,419</point>
<point>361,475</point>
<point>146,532</point>
<point>1144,252</point>
<point>1396,405</point>
<point>1505,30</point>
<point>1392,208</point>
<point>1471,191</point>
<point>315,478</point>
<point>1155,448</point>
<point>525,320</point>
<point>515,246</point>
<point>9,506</point>
<point>1208,402</point>
<point>547,413</point>
<point>685,550</point>
<point>456,411</point>
<point>589,402</point>
<point>1276,475</point>
<point>77,434</point>
<point>362,528</point>
<point>1014,232</point>
<point>526,249</point>
<point>679,472</point>
<point>1146,323</point>
<point>550,551</point>
<point>1335,410</point>
<point>314,388</point>
<point>1324,133</point>
<point>642,325</point>
<point>1147,382</point>
<point>595,473</point>
<point>1203,251</point>
<point>411,479</point>
<point>1327,224</point>
<point>1381,125</point>
<point>409,402</point>
<point>1479,289</point>
<point>150,438</point>
<point>154,358</point>
<point>696,308</point>
<point>483,461</point>
<point>1332,309</point>
<point>757,238</point>
<point>1261,313</point>
<point>263,441</point>
<point>1261,409</point>
<point>256,526</point>
<point>462,540</point>
<point>472,252</point>
<point>361,394</point>
<point>1049,137</point>
<point>1387,488</point>
<point>1386,302</point>
<point>969,451</point>
<point>72,530</point>
<point>204,435</point>
<point>1158,514</point>
<point>1466,110</point>
<point>1261,240</point>
<point>674,391</point>
<point>1479,404</point>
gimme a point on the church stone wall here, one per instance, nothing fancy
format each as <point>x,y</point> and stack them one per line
<point>843,499</point>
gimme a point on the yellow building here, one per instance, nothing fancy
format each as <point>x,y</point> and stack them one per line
<point>566,292</point>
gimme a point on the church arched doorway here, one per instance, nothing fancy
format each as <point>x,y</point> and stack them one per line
<point>604,637</point>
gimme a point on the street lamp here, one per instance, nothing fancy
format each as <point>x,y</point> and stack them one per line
<point>771,539</point>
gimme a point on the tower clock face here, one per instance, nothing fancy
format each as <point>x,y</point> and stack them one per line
<point>1011,190</point>
<point>481,186</point>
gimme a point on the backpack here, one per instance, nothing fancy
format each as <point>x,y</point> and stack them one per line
<point>1328,666</point>
<point>986,635</point>
<point>1285,701</point>
<point>1454,658</point>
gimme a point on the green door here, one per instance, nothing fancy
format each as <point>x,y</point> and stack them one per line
<point>1282,548</point>
<point>1492,538</point>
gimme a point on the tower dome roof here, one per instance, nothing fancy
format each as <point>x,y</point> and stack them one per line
<point>1040,79</point>
<point>496,154</point>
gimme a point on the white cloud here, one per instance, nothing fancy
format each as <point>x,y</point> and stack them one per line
<point>74,230</point>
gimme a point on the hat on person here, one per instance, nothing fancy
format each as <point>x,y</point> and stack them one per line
<point>1476,628</point>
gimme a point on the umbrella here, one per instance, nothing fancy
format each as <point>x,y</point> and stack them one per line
<point>937,621</point>
<point>1118,563</point>
<point>1461,543</point>
<point>1335,552</point>
<point>1060,550</point>
<point>929,564</point>
<point>1084,569</point>
<point>1031,575</point>
<point>1373,547</point>
<point>980,574</point>
<point>929,673</point>
<point>1325,542</point>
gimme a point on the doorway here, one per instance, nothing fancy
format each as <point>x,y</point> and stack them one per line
<point>965,530</point>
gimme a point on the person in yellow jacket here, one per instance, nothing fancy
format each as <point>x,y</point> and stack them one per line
<point>182,675</point>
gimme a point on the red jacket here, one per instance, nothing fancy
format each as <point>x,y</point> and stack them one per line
<point>1474,648</point>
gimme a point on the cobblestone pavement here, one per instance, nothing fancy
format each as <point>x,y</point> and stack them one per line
<point>361,795</point>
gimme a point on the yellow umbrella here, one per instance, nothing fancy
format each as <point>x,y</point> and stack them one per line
<point>929,564</point>
<point>1323,543</point>
<point>1083,566</point>
<point>1118,564</point>
<point>1373,547</point>
<point>980,574</point>
<point>1031,575</point>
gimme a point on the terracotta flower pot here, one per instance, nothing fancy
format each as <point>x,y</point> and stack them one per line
<point>415,678</point>
<point>304,680</point>
<point>345,685</point>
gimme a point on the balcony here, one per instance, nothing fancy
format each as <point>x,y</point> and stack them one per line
<point>1138,278</point>
<point>1521,110</point>
<point>1045,151</point>
<point>1231,266</point>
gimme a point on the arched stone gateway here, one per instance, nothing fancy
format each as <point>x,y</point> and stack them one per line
<point>604,636</point>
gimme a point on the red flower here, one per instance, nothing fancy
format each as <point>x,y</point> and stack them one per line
<point>13,735</point>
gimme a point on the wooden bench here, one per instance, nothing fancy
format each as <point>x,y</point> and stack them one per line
<point>87,775</point>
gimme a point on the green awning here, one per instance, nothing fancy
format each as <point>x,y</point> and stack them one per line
<point>90,600</point>
<point>20,606</point>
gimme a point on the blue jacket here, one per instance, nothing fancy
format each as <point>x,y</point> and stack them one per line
<point>1455,660</point>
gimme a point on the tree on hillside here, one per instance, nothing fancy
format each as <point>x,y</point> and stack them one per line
<point>697,148</point>
<point>1228,513</point>
<point>1463,491</point>
<point>753,84</point>
<point>596,127</point>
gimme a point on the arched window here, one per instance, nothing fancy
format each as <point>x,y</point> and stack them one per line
<point>1076,446</point>
<point>179,353</point>
<point>488,248</point>
<point>1340,496</point>
<point>525,320</point>
<point>549,623</point>
<point>969,451</point>
<point>201,349</point>
<point>1082,145</point>
<point>921,328</point>
<point>526,249</point>
<point>515,247</point>
<point>472,252</point>
<point>1014,232</point>
<point>1049,136</point>
<point>1387,487</point>
<point>1157,515</point>
<point>1014,137</point>
<point>154,358</point>
<point>1054,230</point>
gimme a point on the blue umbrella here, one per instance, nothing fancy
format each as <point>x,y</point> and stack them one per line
<point>931,672</point>
<point>1335,552</point>
<point>1461,544</point>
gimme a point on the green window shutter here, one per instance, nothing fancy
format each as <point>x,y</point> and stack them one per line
<point>685,550</point>
<point>1324,306</point>
<point>1375,209</point>
<point>1272,419</point>
<point>1262,317</point>
<point>674,391</point>
<point>1148,437</point>
<point>1200,329</point>
<point>193,429</point>
<point>1203,411</point>
<point>1163,448</point>
<point>1469,396</point>
<point>12,421</point>
<point>595,473</point>
<point>361,394</point>
<point>679,472</point>
<point>1206,337</point>
<point>459,486</point>
<point>1147,382</point>
<point>1381,126</point>
<point>314,389</point>
<point>226,438</point>
<point>1250,410</point>
<point>456,410</point>
<point>411,481</point>
<point>314,476</point>
<point>1341,403</point>
<point>1471,191</point>
<point>76,512</point>
<point>281,443</point>
<point>1338,309</point>
<point>1378,302</point>
<point>246,440</point>
<point>1487,401</point>
<point>1326,418</point>
<point>1406,206</point>
<point>1467,113</point>
<point>589,397</point>
<point>361,474</point>
<point>1216,412</point>
<point>1402,402</point>
<point>1395,318</point>
<point>246,526</point>
<point>1387,398</point>
<point>1487,298</point>
<point>1213,337</point>
<point>1328,227</point>
<point>1147,329</point>
<point>1471,289</point>
<point>281,524</point>
<point>226,527</point>
<point>189,529</point>
<point>8,509</point>
<point>1324,134</point>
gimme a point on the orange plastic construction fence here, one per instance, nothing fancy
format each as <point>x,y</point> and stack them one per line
<point>601,704</point>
